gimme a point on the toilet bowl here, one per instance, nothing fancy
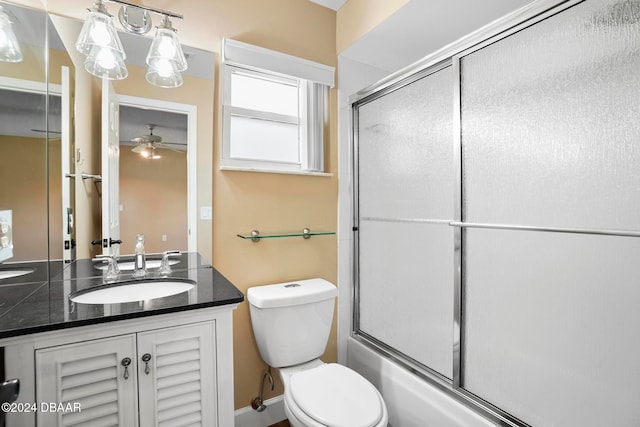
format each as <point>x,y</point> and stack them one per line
<point>291,323</point>
<point>331,395</point>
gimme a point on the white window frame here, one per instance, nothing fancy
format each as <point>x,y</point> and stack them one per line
<point>313,82</point>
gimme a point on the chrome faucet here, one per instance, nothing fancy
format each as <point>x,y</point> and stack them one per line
<point>165,269</point>
<point>112,271</point>
<point>140,261</point>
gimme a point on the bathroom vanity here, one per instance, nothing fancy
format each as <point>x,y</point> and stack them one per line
<point>149,362</point>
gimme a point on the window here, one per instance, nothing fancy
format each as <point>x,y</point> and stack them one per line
<point>274,110</point>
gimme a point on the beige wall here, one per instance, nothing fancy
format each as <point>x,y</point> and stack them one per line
<point>272,203</point>
<point>357,17</point>
<point>88,192</point>
<point>86,133</point>
<point>32,67</point>
<point>244,201</point>
<point>57,60</point>
<point>153,194</point>
<point>23,189</point>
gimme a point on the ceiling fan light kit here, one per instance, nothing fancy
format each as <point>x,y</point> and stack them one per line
<point>147,145</point>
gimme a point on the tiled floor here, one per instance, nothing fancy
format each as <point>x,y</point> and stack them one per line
<point>284,423</point>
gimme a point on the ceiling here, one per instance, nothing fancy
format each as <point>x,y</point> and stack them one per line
<point>331,4</point>
<point>24,115</point>
<point>171,127</point>
<point>422,27</point>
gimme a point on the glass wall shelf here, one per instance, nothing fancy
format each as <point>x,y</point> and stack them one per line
<point>306,233</point>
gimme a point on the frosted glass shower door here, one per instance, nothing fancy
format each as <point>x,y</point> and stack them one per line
<point>551,139</point>
<point>405,200</point>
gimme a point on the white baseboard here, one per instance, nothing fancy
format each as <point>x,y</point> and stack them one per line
<point>249,417</point>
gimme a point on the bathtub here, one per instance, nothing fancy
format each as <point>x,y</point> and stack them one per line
<point>411,401</point>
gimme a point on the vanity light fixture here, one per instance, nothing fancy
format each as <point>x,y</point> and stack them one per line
<point>105,55</point>
<point>165,59</point>
<point>99,40</point>
<point>9,47</point>
<point>135,20</point>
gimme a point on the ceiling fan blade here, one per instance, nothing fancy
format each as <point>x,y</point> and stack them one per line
<point>144,139</point>
<point>44,131</point>
<point>138,148</point>
<point>172,145</point>
<point>175,151</point>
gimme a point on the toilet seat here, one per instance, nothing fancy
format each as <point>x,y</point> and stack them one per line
<point>333,395</point>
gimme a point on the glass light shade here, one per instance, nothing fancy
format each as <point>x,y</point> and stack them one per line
<point>166,48</point>
<point>9,47</point>
<point>106,63</point>
<point>150,153</point>
<point>98,31</point>
<point>164,77</point>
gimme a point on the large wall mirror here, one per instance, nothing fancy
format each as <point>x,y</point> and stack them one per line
<point>30,137</point>
<point>50,137</point>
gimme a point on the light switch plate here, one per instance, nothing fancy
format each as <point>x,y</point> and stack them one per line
<point>206,212</point>
<point>6,235</point>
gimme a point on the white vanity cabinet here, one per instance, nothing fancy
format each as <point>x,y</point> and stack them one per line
<point>89,374</point>
<point>168,374</point>
<point>172,366</point>
<point>163,370</point>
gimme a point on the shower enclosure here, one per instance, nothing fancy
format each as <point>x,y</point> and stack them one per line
<point>497,225</point>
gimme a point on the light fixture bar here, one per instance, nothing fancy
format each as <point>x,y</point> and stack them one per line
<point>151,9</point>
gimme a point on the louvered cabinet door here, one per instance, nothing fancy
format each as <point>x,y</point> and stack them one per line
<point>176,374</point>
<point>90,374</point>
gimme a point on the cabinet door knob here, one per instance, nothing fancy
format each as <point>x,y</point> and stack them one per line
<point>126,362</point>
<point>146,358</point>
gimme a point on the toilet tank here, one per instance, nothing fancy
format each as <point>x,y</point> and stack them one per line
<point>291,321</point>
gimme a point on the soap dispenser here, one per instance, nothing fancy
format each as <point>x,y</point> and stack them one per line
<point>140,263</point>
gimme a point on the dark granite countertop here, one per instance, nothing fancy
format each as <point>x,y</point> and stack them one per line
<point>39,306</point>
<point>94,268</point>
<point>36,272</point>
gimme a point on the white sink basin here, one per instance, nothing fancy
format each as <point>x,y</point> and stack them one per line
<point>129,265</point>
<point>140,290</point>
<point>8,274</point>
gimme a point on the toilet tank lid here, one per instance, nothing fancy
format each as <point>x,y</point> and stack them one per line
<point>291,293</point>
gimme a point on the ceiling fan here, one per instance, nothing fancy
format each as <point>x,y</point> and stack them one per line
<point>147,145</point>
<point>51,134</point>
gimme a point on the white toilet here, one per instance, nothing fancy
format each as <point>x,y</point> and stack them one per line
<point>291,322</point>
